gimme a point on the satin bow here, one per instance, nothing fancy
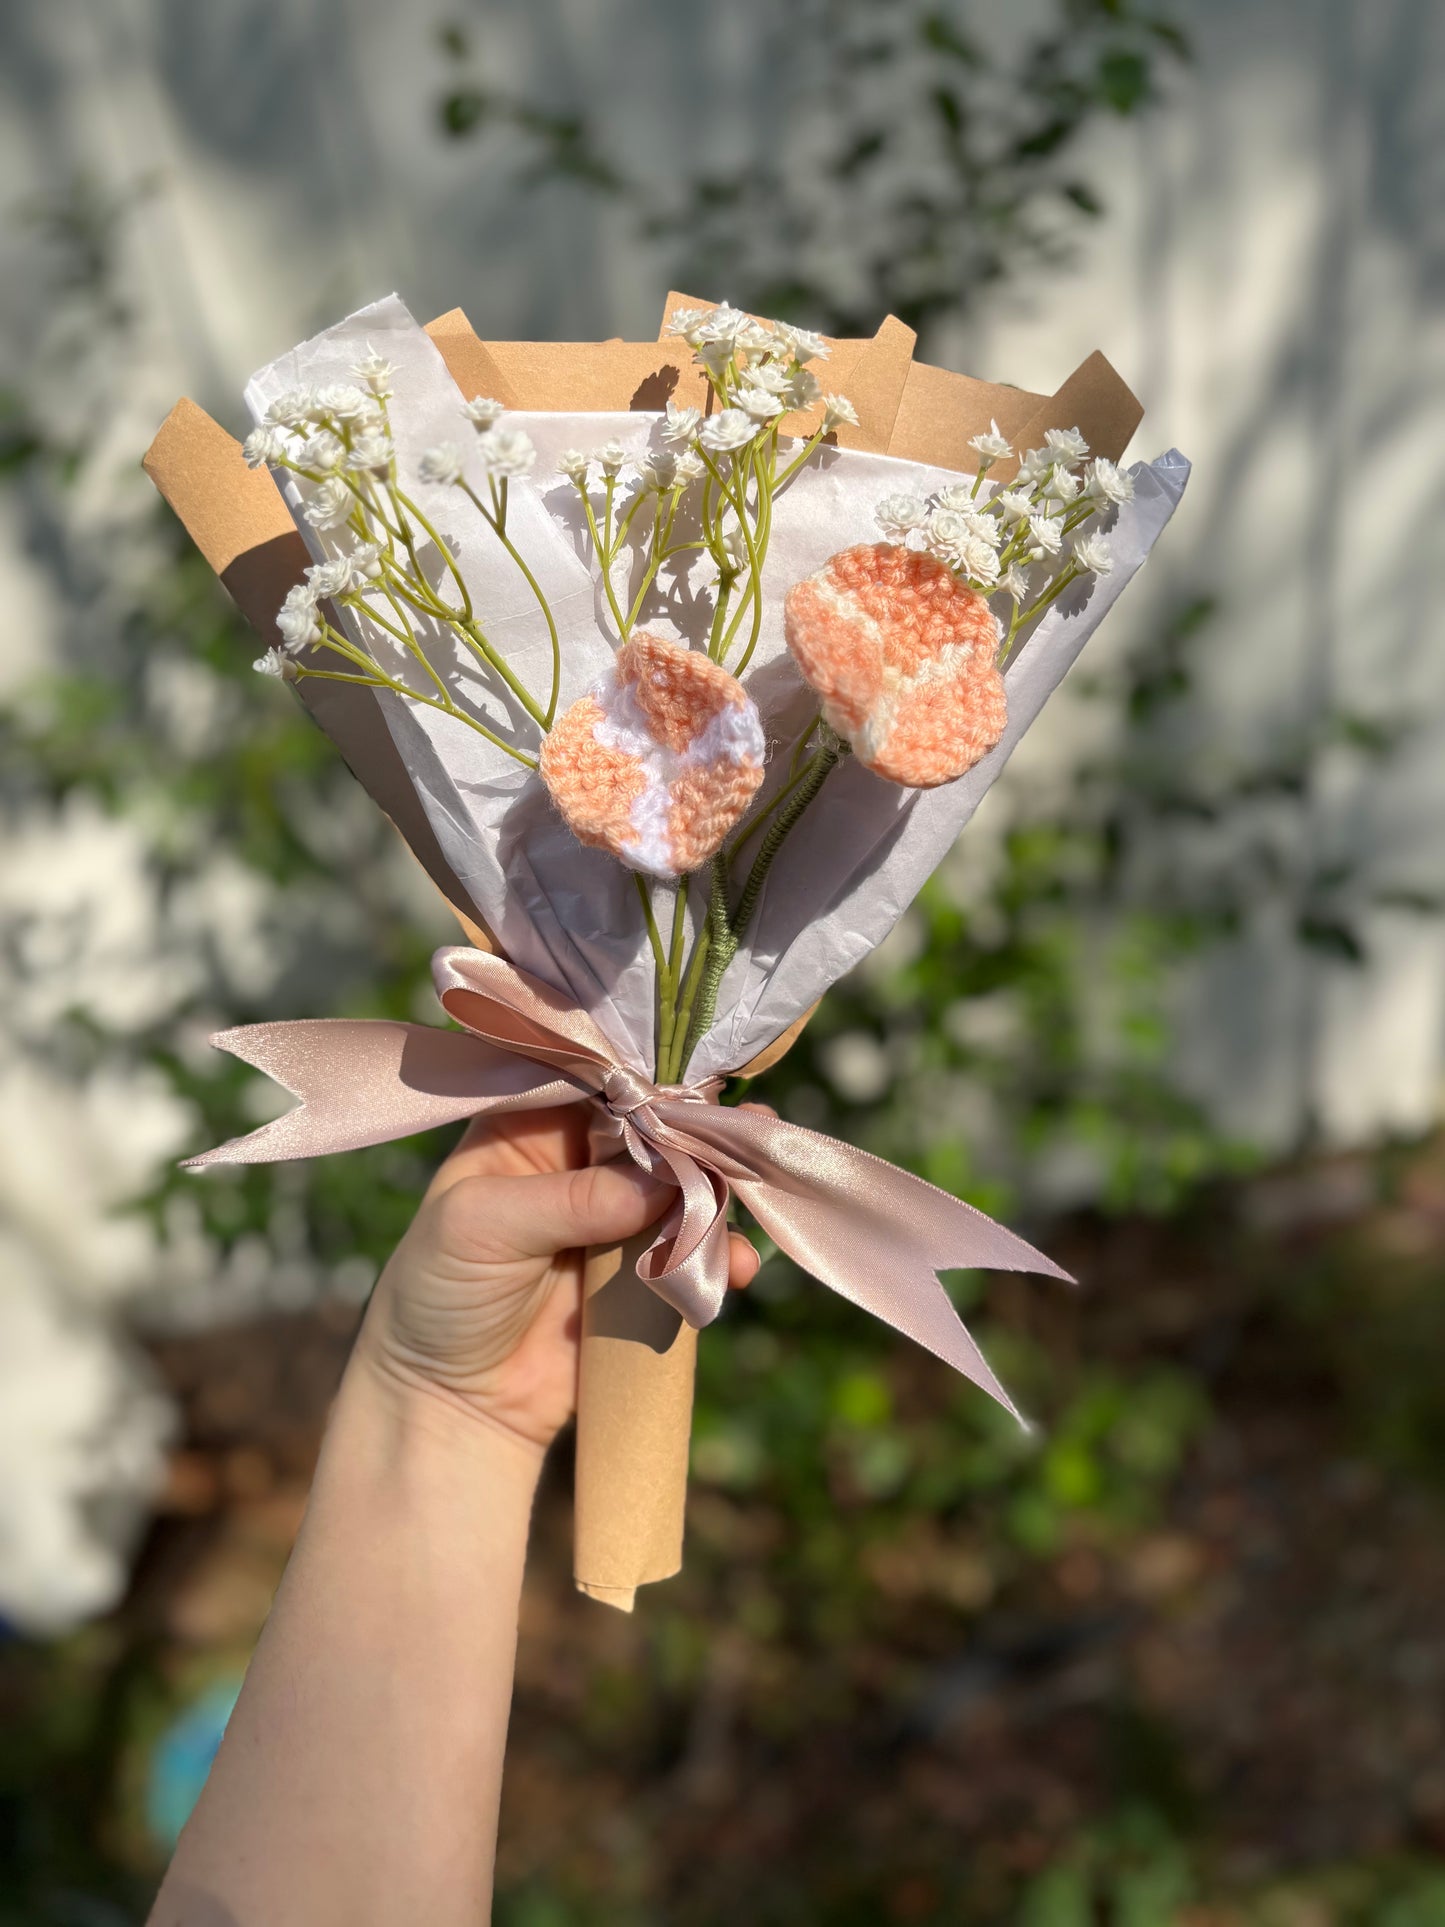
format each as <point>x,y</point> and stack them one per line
<point>876,1235</point>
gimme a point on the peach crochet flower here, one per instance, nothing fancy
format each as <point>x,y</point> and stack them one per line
<point>905,659</point>
<point>659,760</point>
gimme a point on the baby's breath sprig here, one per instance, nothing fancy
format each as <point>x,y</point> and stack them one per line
<point>338,439</point>
<point>757,375</point>
<point>1023,540</point>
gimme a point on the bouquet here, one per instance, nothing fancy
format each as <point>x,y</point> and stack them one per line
<point>679,666</point>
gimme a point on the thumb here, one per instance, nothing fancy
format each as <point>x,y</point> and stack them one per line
<point>536,1217</point>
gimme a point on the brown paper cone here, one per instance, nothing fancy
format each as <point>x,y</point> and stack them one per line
<point>634,1424</point>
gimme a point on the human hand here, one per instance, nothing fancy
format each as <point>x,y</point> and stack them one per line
<point>480,1303</point>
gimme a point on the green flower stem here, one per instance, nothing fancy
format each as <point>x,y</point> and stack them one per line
<point>780,482</point>
<point>669,978</point>
<point>406,635</point>
<point>425,603</point>
<point>761,819</point>
<point>497,522</point>
<point>376,680</point>
<point>737,496</point>
<point>814,774</point>
<point>604,556</point>
<point>1022,617</point>
<point>660,553</point>
<point>726,929</point>
<point>408,507</point>
<point>715,949</point>
<point>654,935</point>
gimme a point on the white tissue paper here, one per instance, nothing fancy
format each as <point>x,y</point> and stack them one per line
<point>570,914</point>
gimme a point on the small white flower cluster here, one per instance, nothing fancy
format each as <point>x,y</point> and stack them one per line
<point>298,618</point>
<point>333,435</point>
<point>758,370</point>
<point>996,541</point>
<point>502,453</point>
<point>658,470</point>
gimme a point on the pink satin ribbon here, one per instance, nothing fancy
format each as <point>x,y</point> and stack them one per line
<point>876,1235</point>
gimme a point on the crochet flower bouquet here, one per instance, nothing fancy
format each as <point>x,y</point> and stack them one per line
<point>679,665</point>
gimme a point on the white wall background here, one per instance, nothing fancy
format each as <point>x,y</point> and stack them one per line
<point>1268,276</point>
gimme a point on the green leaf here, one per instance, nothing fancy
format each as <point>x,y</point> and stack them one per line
<point>1124,80</point>
<point>939,33</point>
<point>463,112</point>
<point>1330,937</point>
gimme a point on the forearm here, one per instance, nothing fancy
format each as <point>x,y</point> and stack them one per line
<point>360,1776</point>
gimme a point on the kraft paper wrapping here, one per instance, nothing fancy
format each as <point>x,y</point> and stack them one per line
<point>636,1381</point>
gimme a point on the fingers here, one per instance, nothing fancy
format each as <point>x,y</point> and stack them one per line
<point>507,1218</point>
<point>743,1262</point>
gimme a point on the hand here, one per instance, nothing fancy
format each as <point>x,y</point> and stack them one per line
<point>481,1301</point>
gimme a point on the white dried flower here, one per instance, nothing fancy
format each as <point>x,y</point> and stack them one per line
<point>1019,584</point>
<point>1034,467</point>
<point>371,453</point>
<point>1067,444</point>
<point>716,357</point>
<point>984,528</point>
<point>1014,505</point>
<point>273,663</point>
<point>322,452</point>
<point>946,532</point>
<point>754,339</point>
<point>836,410</point>
<point>1048,534</point>
<point>612,457</point>
<point>681,424</point>
<point>264,445</point>
<point>296,618</point>
<point>804,389</point>
<point>1107,483</point>
<point>574,464</point>
<point>726,431</point>
<point>686,321</point>
<point>330,505</point>
<point>802,343</point>
<point>958,496</point>
<point>658,469</point>
<point>1092,552</point>
<point>896,515</point>
<point>1062,486</point>
<point>343,401</point>
<point>373,369</point>
<point>293,408</point>
<point>506,452</point>
<point>990,448</point>
<point>483,412</point>
<point>329,578</point>
<point>734,546</point>
<point>722,325</point>
<point>365,560</point>
<point>980,560</point>
<point>758,404</point>
<point>771,375</point>
<point>442,464</point>
<point>690,466</point>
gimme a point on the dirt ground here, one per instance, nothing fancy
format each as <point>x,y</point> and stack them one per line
<point>1259,1669</point>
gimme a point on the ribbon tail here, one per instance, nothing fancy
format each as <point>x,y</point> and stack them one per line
<point>366,1082</point>
<point>876,1235</point>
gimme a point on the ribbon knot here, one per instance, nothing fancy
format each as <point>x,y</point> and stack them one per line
<point>876,1235</point>
<point>624,1092</point>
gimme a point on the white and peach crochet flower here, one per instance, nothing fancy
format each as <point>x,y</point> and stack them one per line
<point>659,760</point>
<point>904,657</point>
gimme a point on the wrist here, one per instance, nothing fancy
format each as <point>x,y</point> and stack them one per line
<point>414,1411</point>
